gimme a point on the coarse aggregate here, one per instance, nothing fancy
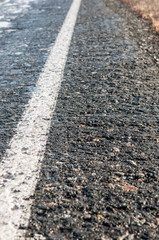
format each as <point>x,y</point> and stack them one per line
<point>99,178</point>
<point>24,48</point>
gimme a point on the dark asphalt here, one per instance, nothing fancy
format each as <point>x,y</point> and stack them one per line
<point>23,52</point>
<point>99,178</point>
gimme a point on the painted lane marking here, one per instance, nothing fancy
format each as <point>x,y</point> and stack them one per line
<point>19,170</point>
<point>4,24</point>
<point>1,3</point>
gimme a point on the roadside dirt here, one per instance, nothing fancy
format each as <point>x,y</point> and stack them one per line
<point>148,9</point>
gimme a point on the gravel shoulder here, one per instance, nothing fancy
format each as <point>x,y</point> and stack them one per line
<point>99,179</point>
<point>147,9</point>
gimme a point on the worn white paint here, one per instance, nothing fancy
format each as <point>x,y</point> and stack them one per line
<point>16,6</point>
<point>4,24</point>
<point>20,168</point>
<point>9,8</point>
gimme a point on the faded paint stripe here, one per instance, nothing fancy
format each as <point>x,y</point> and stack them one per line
<point>19,170</point>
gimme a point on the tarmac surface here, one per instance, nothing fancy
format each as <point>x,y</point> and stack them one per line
<point>99,177</point>
<point>24,48</point>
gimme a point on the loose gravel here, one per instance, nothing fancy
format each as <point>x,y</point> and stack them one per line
<point>99,179</point>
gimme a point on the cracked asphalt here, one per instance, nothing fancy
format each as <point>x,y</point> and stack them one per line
<point>99,177</point>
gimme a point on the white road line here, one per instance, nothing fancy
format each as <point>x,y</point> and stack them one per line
<point>19,170</point>
<point>16,6</point>
<point>1,3</point>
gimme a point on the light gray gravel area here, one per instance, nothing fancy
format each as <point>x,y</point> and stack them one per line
<point>99,178</point>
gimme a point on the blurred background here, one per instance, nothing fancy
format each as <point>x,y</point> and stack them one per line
<point>148,9</point>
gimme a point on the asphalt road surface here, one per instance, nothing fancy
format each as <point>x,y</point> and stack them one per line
<point>79,121</point>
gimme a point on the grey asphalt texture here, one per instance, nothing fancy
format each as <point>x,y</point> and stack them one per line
<point>24,49</point>
<point>99,178</point>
